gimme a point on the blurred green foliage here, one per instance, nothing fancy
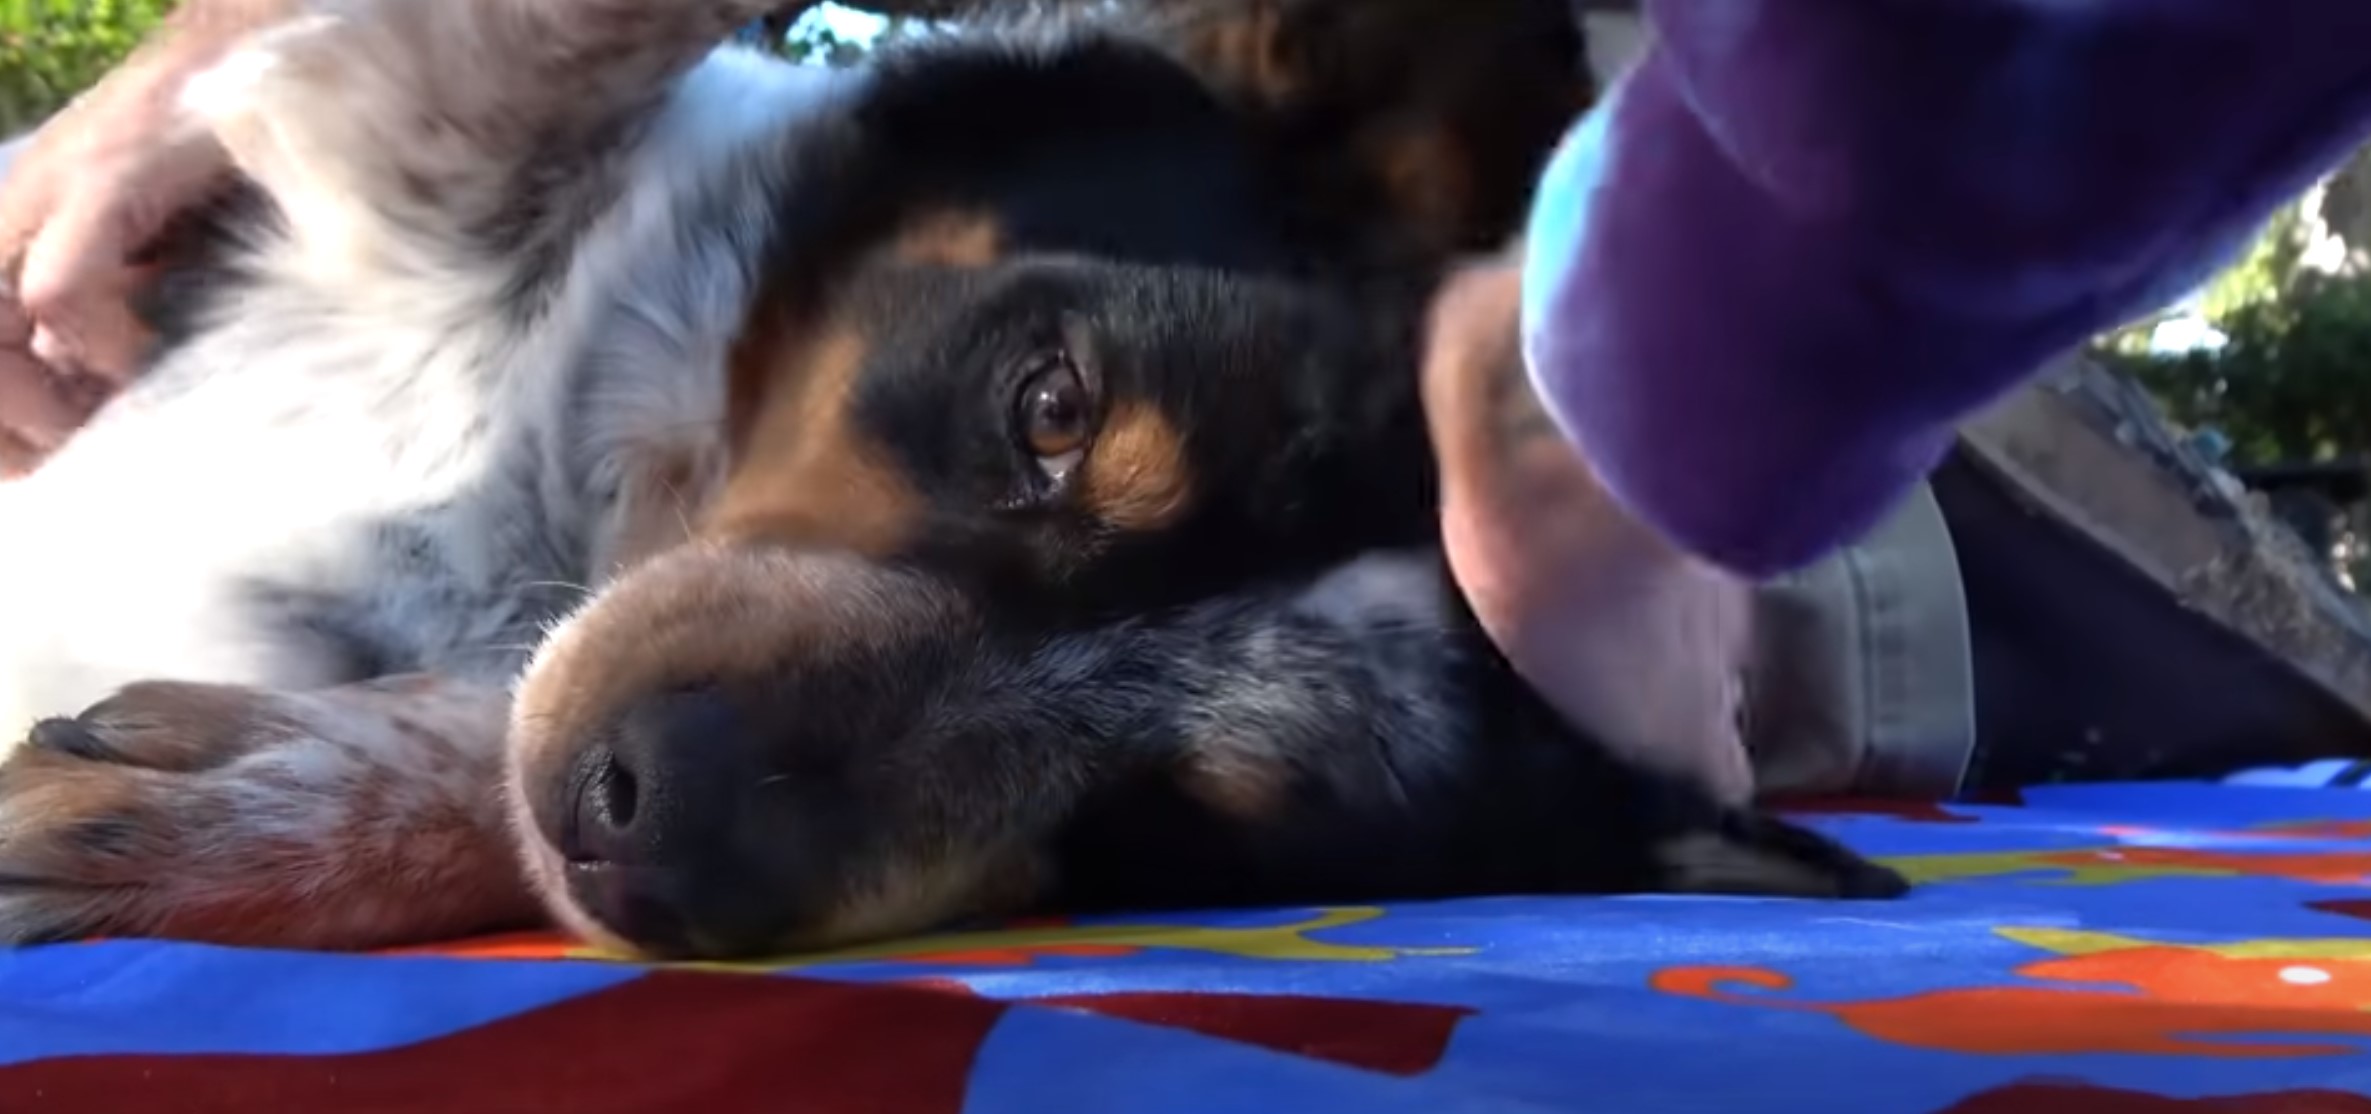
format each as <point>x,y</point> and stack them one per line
<point>52,49</point>
<point>2292,381</point>
<point>810,38</point>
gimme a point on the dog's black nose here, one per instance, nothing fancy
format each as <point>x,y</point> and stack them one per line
<point>658,788</point>
<point>605,798</point>
<point>665,831</point>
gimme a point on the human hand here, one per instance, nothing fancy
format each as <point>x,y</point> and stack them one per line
<point>80,206</point>
<point>1629,639</point>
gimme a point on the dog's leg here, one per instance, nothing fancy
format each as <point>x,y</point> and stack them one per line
<point>1362,740</point>
<point>351,817</point>
<point>1747,853</point>
<point>403,136</point>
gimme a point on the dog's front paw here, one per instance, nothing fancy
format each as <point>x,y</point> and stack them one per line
<point>126,819</point>
<point>240,816</point>
<point>1747,853</point>
<point>168,725</point>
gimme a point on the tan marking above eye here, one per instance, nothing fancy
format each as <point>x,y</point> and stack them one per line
<point>1428,174</point>
<point>806,474</point>
<point>949,238</point>
<point>1241,46</point>
<point>1242,778</point>
<point>1138,477</point>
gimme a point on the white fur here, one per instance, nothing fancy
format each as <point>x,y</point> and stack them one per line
<point>363,381</point>
<point>378,446</point>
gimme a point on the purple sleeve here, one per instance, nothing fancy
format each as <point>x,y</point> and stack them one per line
<point>1804,238</point>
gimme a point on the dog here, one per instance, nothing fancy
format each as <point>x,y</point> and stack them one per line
<point>727,507</point>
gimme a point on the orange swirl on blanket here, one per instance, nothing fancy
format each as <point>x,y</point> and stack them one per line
<point>510,945</point>
<point>2289,829</point>
<point>2319,829</point>
<point>2061,1097</point>
<point>2143,998</point>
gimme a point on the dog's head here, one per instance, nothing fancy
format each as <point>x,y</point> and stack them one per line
<point>1058,337</point>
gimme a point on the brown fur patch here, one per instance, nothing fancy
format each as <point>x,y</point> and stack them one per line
<point>170,725</point>
<point>1137,475</point>
<point>1428,175</point>
<point>1239,45</point>
<point>806,475</point>
<point>702,613</point>
<point>901,897</point>
<point>1246,781</point>
<point>55,803</point>
<point>352,817</point>
<point>949,238</point>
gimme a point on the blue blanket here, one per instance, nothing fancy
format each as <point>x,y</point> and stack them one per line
<point>2099,949</point>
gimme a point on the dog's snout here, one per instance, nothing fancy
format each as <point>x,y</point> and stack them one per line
<point>719,755</point>
<point>648,820</point>
<point>654,787</point>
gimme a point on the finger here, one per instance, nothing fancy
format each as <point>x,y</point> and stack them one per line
<point>28,192</point>
<point>32,408</point>
<point>24,204</point>
<point>18,457</point>
<point>109,343</point>
<point>77,288</point>
<point>16,329</point>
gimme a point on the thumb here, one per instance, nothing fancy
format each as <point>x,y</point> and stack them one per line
<point>77,283</point>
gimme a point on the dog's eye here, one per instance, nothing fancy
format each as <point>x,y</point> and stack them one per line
<point>1051,412</point>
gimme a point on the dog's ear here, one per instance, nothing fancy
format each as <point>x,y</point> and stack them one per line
<point>1746,853</point>
<point>1434,117</point>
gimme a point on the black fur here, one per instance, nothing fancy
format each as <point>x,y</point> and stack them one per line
<point>1166,239</point>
